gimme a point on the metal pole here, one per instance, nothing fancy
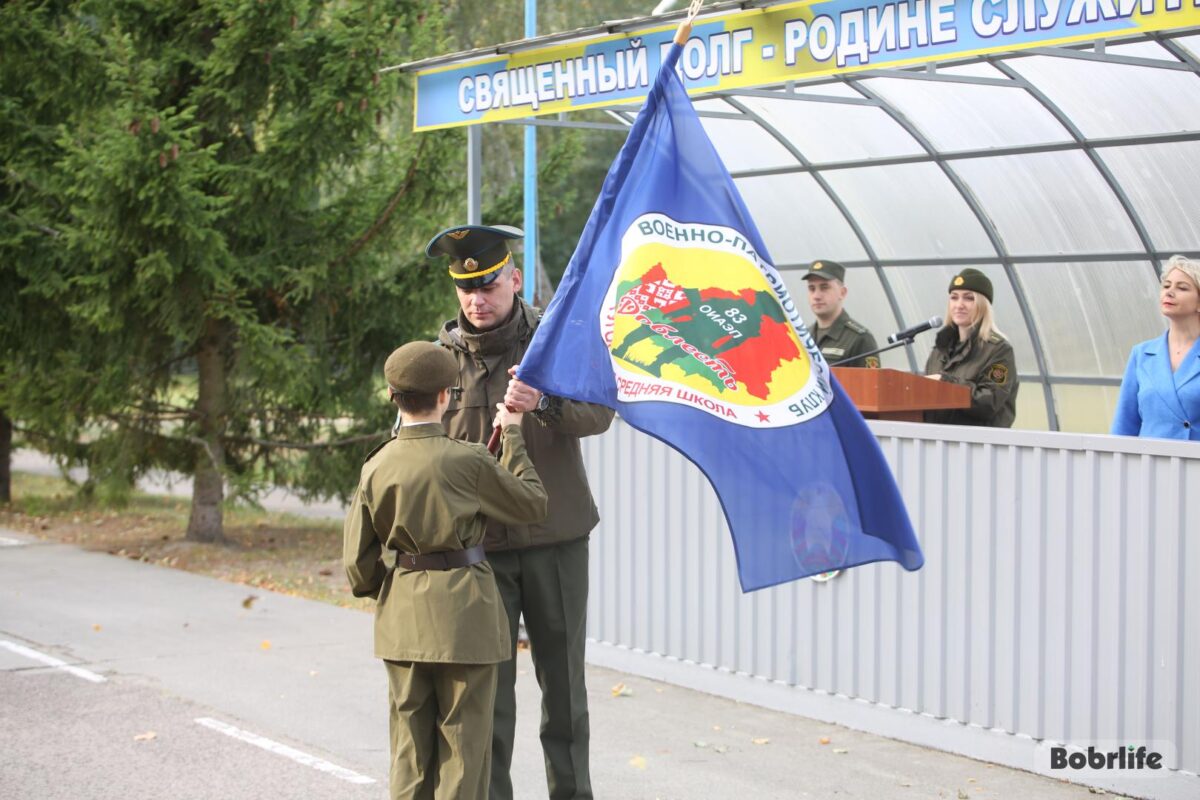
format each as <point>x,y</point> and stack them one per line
<point>531,181</point>
<point>474,174</point>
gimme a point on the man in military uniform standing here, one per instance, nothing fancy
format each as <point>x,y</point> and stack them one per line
<point>837,335</point>
<point>413,540</point>
<point>541,569</point>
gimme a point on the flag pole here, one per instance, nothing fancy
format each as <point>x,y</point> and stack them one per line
<point>685,27</point>
<point>681,38</point>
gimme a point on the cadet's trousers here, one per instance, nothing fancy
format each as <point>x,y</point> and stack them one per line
<point>549,585</point>
<point>441,727</point>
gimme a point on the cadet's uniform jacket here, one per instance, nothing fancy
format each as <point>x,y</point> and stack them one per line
<point>425,493</point>
<point>552,436</point>
<point>844,339</point>
<point>986,367</point>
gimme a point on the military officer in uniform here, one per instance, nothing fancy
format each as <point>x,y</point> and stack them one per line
<point>413,540</point>
<point>837,335</point>
<point>542,568</point>
<point>971,351</point>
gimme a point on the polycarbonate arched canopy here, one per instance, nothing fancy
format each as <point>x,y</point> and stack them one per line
<point>1068,175</point>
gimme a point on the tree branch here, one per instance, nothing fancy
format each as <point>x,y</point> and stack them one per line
<point>381,222</point>
<point>39,228</point>
<point>306,445</point>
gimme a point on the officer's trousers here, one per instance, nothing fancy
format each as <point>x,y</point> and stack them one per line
<point>441,729</point>
<point>549,585</point>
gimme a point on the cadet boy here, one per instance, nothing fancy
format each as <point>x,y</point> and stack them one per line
<point>541,569</point>
<point>413,541</point>
<point>837,335</point>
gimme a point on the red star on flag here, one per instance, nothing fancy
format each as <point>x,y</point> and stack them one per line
<point>763,417</point>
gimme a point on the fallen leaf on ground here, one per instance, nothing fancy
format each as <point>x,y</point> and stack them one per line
<point>760,740</point>
<point>840,750</point>
<point>96,628</point>
<point>637,762</point>
<point>716,727</point>
<point>971,780</point>
<point>145,737</point>
<point>700,744</point>
<point>621,690</point>
<point>824,740</point>
<point>325,572</point>
<point>905,784</point>
<point>249,601</point>
<point>266,644</point>
<point>963,795</point>
<point>720,749</point>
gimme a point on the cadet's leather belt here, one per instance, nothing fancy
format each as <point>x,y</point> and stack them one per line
<point>448,559</point>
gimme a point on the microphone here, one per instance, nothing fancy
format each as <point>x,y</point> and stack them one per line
<point>908,333</point>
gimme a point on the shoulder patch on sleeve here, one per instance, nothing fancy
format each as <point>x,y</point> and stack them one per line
<point>872,362</point>
<point>998,373</point>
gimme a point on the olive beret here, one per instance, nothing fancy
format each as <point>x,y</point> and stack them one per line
<point>972,280</point>
<point>422,367</point>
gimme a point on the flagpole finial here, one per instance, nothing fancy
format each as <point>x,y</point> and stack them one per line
<point>685,27</point>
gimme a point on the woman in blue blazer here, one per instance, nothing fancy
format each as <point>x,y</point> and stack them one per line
<point>1160,393</point>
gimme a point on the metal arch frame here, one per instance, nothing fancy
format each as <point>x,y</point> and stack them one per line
<point>836,199</point>
<point>1101,166</point>
<point>978,152</point>
<point>1168,43</point>
<point>989,228</point>
<point>972,261</point>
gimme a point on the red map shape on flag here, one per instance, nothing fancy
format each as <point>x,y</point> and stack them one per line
<point>756,359</point>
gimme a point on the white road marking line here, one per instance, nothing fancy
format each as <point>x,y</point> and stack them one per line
<point>7,542</point>
<point>58,663</point>
<point>285,751</point>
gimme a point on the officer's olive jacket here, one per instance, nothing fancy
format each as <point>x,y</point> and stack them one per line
<point>987,368</point>
<point>552,437</point>
<point>846,338</point>
<point>420,493</point>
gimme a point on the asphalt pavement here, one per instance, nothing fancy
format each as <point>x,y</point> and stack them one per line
<point>120,679</point>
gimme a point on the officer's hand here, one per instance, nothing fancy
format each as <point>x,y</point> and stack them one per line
<point>520,396</point>
<point>505,417</point>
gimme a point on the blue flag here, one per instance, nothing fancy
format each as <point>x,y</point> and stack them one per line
<point>671,312</point>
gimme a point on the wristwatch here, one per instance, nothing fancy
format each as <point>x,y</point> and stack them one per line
<point>543,403</point>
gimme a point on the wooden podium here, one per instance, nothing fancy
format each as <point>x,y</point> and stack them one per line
<point>892,394</point>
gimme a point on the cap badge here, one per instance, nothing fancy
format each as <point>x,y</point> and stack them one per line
<point>458,234</point>
<point>959,281</point>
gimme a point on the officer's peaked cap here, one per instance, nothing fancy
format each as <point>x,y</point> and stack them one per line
<point>477,253</point>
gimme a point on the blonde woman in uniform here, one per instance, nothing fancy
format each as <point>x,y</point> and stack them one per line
<point>971,351</point>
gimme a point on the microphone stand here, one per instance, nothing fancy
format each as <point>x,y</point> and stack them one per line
<point>907,341</point>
